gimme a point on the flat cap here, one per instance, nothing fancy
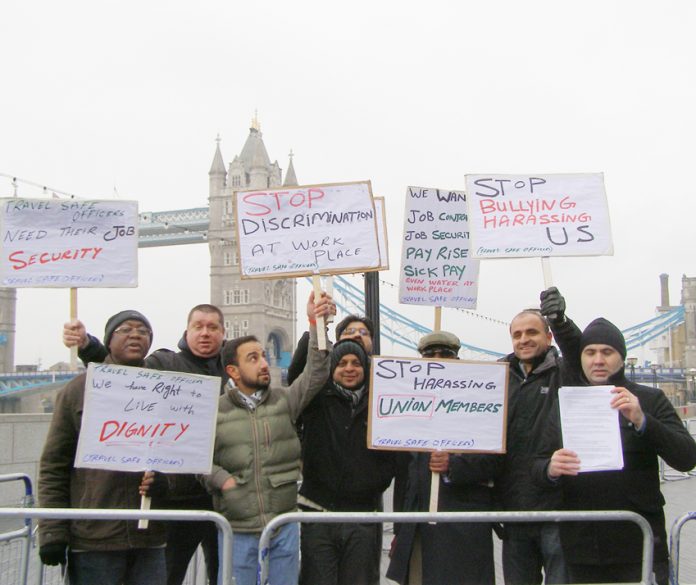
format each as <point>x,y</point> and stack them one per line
<point>441,339</point>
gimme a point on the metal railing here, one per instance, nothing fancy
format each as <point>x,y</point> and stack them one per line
<point>223,525</point>
<point>24,533</point>
<point>422,517</point>
<point>675,544</point>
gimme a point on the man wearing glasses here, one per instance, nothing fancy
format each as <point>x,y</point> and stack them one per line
<point>199,353</point>
<point>113,552</point>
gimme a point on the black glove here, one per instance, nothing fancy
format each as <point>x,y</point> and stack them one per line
<point>54,553</point>
<point>553,305</point>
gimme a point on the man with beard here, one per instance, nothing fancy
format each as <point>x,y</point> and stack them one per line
<point>199,353</point>
<point>610,552</point>
<point>256,458</point>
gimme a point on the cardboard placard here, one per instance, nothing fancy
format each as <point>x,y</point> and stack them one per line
<point>68,243</point>
<point>137,419</point>
<point>522,216</point>
<point>301,231</point>
<point>436,264</point>
<point>432,405</point>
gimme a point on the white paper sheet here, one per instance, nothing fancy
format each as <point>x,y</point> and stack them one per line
<point>590,427</point>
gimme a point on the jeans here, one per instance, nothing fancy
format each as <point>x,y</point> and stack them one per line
<point>136,566</point>
<point>341,554</point>
<point>284,562</point>
<point>530,547</point>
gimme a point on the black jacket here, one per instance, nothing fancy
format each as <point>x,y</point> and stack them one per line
<point>635,488</point>
<point>339,472</point>
<point>528,409</point>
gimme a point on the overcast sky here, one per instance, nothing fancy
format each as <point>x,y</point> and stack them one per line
<point>127,97</point>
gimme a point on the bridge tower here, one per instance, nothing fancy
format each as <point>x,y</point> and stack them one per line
<point>689,301</point>
<point>265,308</point>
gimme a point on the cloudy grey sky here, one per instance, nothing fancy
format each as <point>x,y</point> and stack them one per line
<point>128,96</point>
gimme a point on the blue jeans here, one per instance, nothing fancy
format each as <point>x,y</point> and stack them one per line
<point>527,549</point>
<point>136,566</point>
<point>284,562</point>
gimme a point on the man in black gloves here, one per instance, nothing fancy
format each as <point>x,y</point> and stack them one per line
<point>97,551</point>
<point>610,552</point>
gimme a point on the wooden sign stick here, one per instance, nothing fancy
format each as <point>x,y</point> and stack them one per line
<point>73,316</point>
<point>435,477</point>
<point>321,324</point>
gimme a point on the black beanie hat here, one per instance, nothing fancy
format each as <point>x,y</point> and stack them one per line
<point>115,320</point>
<point>345,347</point>
<point>606,333</point>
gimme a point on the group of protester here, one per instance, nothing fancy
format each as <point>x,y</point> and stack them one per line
<point>269,438</point>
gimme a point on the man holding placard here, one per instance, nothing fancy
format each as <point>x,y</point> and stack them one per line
<point>199,353</point>
<point>256,460</point>
<point>104,552</point>
<point>610,552</point>
<point>446,553</point>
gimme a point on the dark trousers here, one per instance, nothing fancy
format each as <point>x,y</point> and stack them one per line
<point>182,540</point>
<point>340,554</point>
<point>616,573</point>
<point>136,566</point>
<point>529,548</point>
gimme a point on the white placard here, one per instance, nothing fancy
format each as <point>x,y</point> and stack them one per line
<point>136,419</point>
<point>516,216</point>
<point>436,267</point>
<point>590,427</point>
<point>431,405</point>
<point>300,231</point>
<point>68,243</point>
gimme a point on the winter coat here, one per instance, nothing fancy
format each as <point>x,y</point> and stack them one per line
<point>635,488</point>
<point>339,472</point>
<point>259,448</point>
<point>62,485</point>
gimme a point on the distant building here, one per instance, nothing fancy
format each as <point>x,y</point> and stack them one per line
<point>265,308</point>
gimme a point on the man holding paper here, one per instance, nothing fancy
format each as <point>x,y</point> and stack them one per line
<point>112,552</point>
<point>609,552</point>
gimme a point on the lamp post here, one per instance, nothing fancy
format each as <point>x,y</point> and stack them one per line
<point>691,389</point>
<point>632,361</point>
<point>654,367</point>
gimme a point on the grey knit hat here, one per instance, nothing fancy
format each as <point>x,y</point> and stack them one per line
<point>345,347</point>
<point>116,320</point>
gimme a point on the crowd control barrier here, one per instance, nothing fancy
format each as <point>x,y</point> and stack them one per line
<point>422,517</point>
<point>29,514</point>
<point>674,545</point>
<point>16,543</point>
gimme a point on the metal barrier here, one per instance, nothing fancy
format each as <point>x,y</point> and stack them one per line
<point>23,534</point>
<point>93,514</point>
<point>674,545</point>
<point>422,517</point>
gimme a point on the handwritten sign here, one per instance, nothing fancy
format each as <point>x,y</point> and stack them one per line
<point>319,229</point>
<point>436,267</point>
<point>428,405</point>
<point>136,419</point>
<point>540,215</point>
<point>69,244</point>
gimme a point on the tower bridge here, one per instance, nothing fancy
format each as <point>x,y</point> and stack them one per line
<point>268,307</point>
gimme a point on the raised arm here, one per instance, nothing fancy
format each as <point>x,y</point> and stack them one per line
<point>89,348</point>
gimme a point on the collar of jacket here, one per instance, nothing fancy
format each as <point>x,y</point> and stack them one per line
<point>231,391</point>
<point>546,363</point>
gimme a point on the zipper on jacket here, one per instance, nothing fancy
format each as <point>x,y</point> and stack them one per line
<point>257,466</point>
